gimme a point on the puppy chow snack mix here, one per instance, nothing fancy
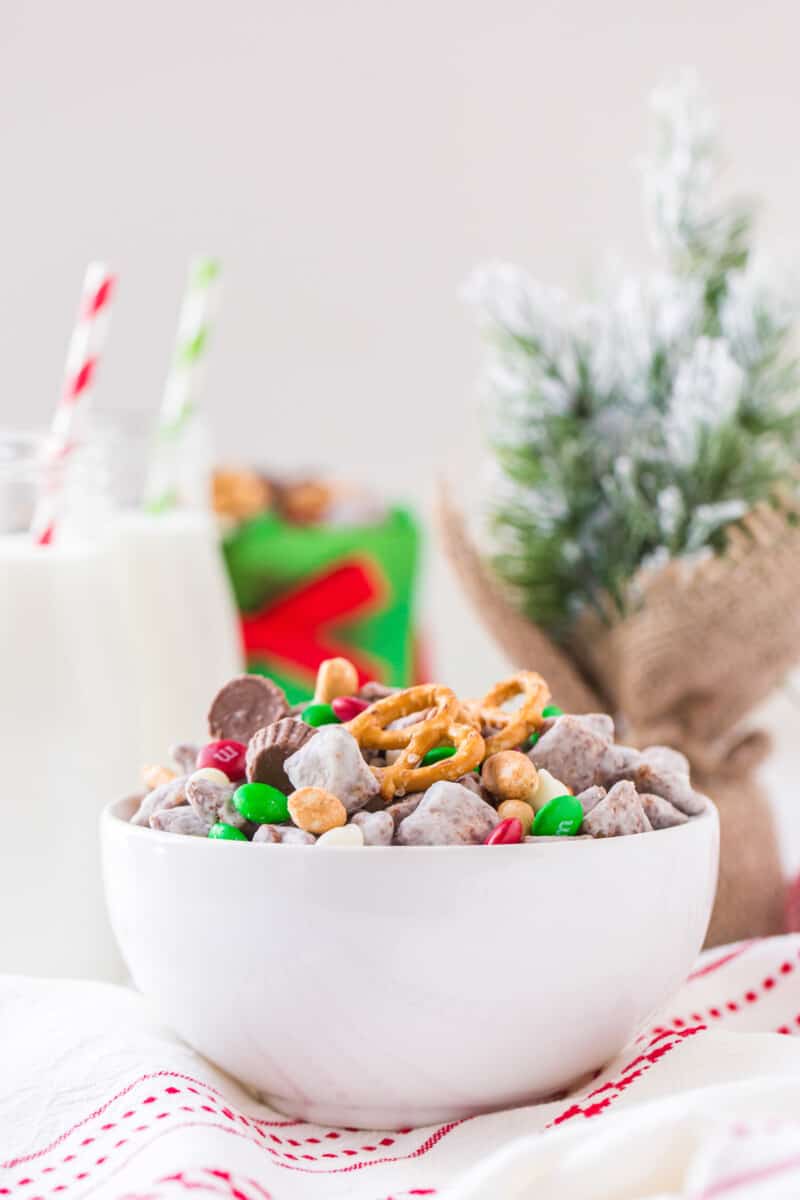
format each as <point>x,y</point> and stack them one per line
<point>362,767</point>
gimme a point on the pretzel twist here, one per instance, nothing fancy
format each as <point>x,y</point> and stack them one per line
<point>369,727</point>
<point>443,727</point>
<point>517,724</point>
<point>406,775</point>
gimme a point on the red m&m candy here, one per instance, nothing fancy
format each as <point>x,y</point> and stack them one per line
<point>347,707</point>
<point>227,756</point>
<point>506,833</point>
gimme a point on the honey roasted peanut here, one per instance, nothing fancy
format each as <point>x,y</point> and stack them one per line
<point>518,810</point>
<point>315,810</point>
<point>510,775</point>
<point>336,677</point>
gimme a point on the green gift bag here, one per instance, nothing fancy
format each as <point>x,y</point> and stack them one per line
<point>311,592</point>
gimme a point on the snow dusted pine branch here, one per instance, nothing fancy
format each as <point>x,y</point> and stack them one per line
<point>632,430</point>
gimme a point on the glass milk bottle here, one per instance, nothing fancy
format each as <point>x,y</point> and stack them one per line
<point>175,595</point>
<point>67,711</point>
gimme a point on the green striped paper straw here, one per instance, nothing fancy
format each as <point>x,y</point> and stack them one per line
<point>178,416</point>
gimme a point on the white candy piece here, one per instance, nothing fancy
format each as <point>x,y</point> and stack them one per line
<point>342,835</point>
<point>212,774</point>
<point>332,760</point>
<point>549,787</point>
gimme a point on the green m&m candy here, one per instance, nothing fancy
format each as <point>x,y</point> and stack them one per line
<point>261,803</point>
<point>319,714</point>
<point>226,833</point>
<point>437,754</point>
<point>560,817</point>
<point>440,752</point>
<point>551,710</point>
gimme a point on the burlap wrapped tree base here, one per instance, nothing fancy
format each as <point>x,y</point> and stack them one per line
<point>750,896</point>
<point>704,645</point>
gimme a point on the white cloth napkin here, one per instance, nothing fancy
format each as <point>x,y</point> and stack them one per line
<point>97,1098</point>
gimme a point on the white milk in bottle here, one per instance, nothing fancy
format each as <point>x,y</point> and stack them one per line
<point>66,711</point>
<point>183,623</point>
<point>174,593</point>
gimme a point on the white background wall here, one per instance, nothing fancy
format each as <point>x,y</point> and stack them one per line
<point>349,161</point>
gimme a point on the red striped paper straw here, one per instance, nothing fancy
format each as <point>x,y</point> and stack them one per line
<point>85,346</point>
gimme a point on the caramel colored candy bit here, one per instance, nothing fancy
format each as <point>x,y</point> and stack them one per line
<point>315,810</point>
<point>510,775</point>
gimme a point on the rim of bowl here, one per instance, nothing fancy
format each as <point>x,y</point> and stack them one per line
<point>112,814</point>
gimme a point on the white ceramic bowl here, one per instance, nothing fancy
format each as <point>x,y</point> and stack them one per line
<point>389,986</point>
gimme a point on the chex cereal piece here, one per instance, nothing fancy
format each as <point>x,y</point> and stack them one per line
<point>572,752</point>
<point>590,797</point>
<point>180,820</point>
<point>332,760</point>
<point>207,796</point>
<point>377,827</point>
<point>447,815</point>
<point>660,813</point>
<point>283,835</point>
<point>169,795</point>
<point>618,813</point>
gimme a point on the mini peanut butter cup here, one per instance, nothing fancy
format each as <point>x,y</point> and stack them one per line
<point>247,703</point>
<point>269,748</point>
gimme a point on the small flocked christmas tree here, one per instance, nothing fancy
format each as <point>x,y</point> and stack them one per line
<point>634,429</point>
